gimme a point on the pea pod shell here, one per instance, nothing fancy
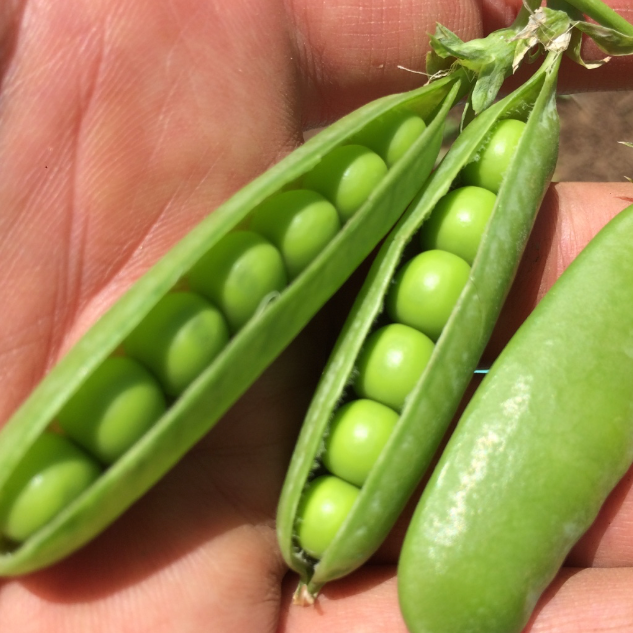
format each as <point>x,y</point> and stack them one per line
<point>432,403</point>
<point>260,341</point>
<point>545,438</point>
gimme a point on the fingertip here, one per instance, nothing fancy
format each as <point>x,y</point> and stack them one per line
<point>354,52</point>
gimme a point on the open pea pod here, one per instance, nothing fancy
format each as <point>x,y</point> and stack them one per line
<point>431,404</point>
<point>192,410</point>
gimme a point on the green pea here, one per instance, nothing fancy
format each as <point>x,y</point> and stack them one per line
<point>426,289</point>
<point>178,339</point>
<point>346,177</point>
<point>238,273</point>
<point>326,503</point>
<point>458,222</point>
<point>390,364</point>
<point>113,408</point>
<point>392,135</point>
<point>358,433</point>
<point>299,223</point>
<point>52,473</point>
<point>490,164</point>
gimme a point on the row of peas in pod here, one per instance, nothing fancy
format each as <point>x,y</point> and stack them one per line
<point>419,303</point>
<point>189,327</point>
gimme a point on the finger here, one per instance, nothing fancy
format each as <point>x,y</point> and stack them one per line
<point>580,601</point>
<point>122,125</point>
<point>609,541</point>
<point>366,601</point>
<point>355,52</point>
<point>135,575</point>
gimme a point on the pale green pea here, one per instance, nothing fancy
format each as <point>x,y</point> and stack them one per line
<point>300,223</point>
<point>346,177</point>
<point>426,290</point>
<point>52,473</point>
<point>392,135</point>
<point>390,364</point>
<point>490,165</point>
<point>326,503</point>
<point>358,433</point>
<point>113,408</point>
<point>458,222</point>
<point>238,273</point>
<point>178,339</point>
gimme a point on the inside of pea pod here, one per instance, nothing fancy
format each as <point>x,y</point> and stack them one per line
<point>358,409</point>
<point>125,405</point>
<point>428,282</point>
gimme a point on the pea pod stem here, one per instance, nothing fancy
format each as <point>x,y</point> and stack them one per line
<point>603,15</point>
<point>527,9</point>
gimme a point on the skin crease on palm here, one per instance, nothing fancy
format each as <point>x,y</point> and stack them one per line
<point>124,122</point>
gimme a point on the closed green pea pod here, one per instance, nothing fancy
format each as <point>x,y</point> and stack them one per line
<point>544,440</point>
<point>259,338</point>
<point>431,404</point>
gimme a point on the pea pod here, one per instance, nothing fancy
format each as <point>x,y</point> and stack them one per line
<point>242,344</point>
<point>545,438</point>
<point>433,400</point>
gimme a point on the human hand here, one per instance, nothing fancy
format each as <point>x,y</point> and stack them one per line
<point>121,125</point>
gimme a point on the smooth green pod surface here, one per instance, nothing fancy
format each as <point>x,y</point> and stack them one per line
<point>429,407</point>
<point>276,320</point>
<point>544,440</point>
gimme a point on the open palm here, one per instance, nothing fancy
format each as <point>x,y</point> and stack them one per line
<point>122,124</point>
